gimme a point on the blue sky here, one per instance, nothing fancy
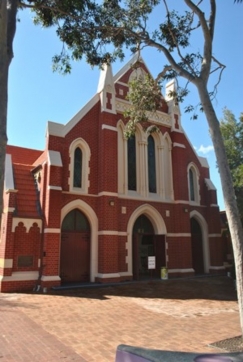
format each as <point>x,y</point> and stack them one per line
<point>37,95</point>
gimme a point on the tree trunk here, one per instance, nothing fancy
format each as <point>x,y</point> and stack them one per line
<point>231,208</point>
<point>4,94</point>
<point>8,10</point>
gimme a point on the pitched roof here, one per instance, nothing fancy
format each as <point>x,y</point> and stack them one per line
<point>22,155</point>
<point>27,201</point>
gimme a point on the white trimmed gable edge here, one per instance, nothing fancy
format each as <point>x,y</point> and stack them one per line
<point>60,130</point>
<point>8,177</point>
<point>203,161</point>
<point>128,66</point>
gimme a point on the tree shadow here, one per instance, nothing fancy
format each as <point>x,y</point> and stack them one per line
<point>208,288</point>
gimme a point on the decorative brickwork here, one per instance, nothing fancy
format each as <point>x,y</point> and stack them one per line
<point>182,210</point>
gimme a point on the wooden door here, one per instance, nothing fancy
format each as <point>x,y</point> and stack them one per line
<point>197,247</point>
<point>75,257</point>
<point>160,253</point>
<point>135,256</point>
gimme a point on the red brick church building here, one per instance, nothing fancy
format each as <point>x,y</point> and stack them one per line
<point>93,205</point>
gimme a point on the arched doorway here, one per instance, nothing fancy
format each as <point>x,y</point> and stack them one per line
<point>197,247</point>
<point>146,244</point>
<point>75,248</point>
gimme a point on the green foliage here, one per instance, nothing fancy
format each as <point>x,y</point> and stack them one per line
<point>145,96</point>
<point>232,132</point>
<point>101,30</point>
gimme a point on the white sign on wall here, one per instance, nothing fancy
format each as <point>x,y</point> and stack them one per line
<point>151,262</point>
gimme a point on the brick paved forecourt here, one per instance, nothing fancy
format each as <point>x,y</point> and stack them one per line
<point>88,324</point>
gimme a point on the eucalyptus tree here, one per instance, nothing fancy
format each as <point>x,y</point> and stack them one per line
<point>101,30</point>
<point>232,132</point>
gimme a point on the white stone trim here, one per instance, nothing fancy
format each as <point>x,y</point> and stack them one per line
<point>122,83</point>
<point>128,66</point>
<point>106,193</point>
<point>163,162</point>
<point>209,184</point>
<point>57,129</point>
<point>54,158</point>
<point>28,223</point>
<point>196,186</point>
<point>111,128</point>
<point>125,274</point>
<point>108,275</point>
<point>108,232</point>
<point>157,221</point>
<point>182,202</point>
<point>179,235</point>
<point>112,232</point>
<point>214,205</point>
<point>189,270</point>
<point>86,154</point>
<point>8,176</point>
<point>52,231</point>
<point>217,267</point>
<point>158,117</point>
<point>50,278</point>
<point>93,220</point>
<point>56,188</point>
<point>21,276</point>
<point>8,209</point>
<point>6,263</point>
<point>203,161</point>
<point>175,144</point>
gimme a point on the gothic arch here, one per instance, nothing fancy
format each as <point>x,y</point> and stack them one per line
<point>193,183</point>
<point>84,147</point>
<point>156,219</point>
<point>93,220</point>
<point>204,228</point>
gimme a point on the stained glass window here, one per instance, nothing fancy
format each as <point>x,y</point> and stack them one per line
<point>77,174</point>
<point>131,163</point>
<point>151,165</point>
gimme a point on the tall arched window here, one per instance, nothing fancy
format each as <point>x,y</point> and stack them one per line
<point>151,165</point>
<point>79,153</point>
<point>131,163</point>
<point>77,170</point>
<point>191,185</point>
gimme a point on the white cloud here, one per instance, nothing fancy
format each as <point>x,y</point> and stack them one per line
<point>205,150</point>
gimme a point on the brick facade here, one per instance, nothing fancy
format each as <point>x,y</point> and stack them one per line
<point>33,229</point>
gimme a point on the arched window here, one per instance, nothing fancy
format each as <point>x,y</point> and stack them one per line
<point>77,169</point>
<point>79,153</point>
<point>151,165</point>
<point>193,186</point>
<point>131,163</point>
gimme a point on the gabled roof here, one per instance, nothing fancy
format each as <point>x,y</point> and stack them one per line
<point>25,156</point>
<point>21,161</point>
<point>60,130</point>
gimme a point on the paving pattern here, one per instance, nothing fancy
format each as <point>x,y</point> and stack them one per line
<point>87,324</point>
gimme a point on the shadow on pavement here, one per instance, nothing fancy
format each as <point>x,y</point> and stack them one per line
<point>208,288</point>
